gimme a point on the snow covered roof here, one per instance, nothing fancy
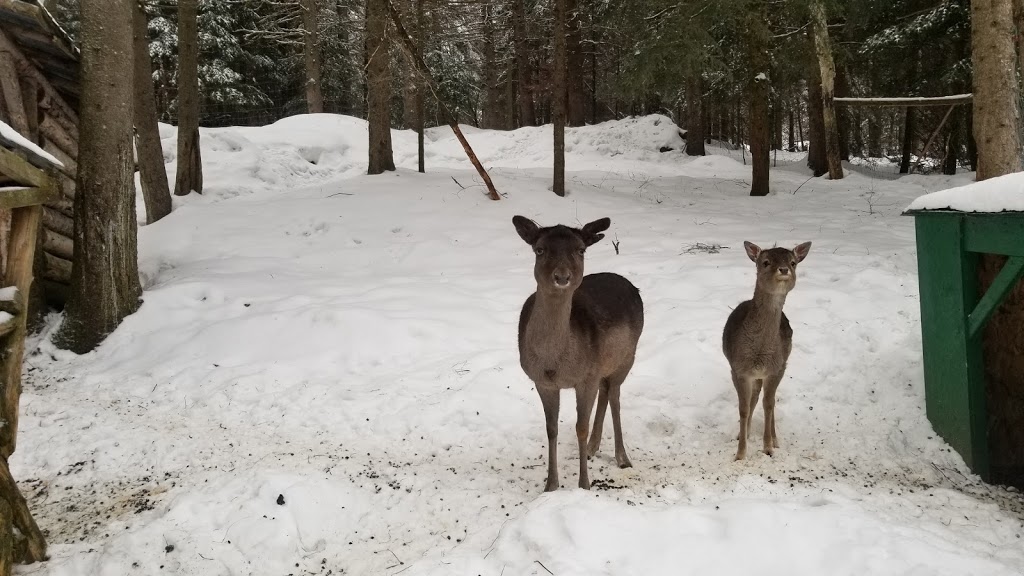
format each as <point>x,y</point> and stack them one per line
<point>1000,194</point>
<point>12,140</point>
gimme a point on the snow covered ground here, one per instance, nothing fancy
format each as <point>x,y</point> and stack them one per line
<point>324,378</point>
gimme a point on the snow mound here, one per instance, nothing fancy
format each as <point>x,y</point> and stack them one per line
<point>584,535</point>
<point>1000,194</point>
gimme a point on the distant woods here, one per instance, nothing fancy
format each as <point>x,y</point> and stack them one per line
<point>735,72</point>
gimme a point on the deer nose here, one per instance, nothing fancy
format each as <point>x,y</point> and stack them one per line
<point>562,279</point>
<point>784,271</point>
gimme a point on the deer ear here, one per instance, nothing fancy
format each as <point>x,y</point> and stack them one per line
<point>753,251</point>
<point>526,228</point>
<point>801,251</point>
<point>591,232</point>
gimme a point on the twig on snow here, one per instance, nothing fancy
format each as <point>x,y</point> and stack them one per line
<point>457,182</point>
<point>544,567</point>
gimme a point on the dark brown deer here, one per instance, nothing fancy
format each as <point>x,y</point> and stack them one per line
<point>757,338</point>
<point>577,332</point>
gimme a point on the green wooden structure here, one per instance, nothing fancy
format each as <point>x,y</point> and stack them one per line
<point>953,314</point>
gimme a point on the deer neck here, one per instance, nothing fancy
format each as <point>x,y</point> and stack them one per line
<point>549,330</point>
<point>766,309</point>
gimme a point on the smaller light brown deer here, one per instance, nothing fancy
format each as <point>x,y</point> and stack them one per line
<point>757,338</point>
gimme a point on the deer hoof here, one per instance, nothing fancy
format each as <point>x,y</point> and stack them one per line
<point>552,485</point>
<point>593,448</point>
<point>623,461</point>
<point>585,483</point>
<point>768,450</point>
<point>740,454</point>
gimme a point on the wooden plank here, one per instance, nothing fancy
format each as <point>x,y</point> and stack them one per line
<point>998,233</point>
<point>56,268</point>
<point>23,520</point>
<point>905,102</point>
<point>30,100</point>
<point>69,168</point>
<point>54,220</point>
<point>65,206</point>
<point>58,244</point>
<point>19,197</point>
<point>12,93</point>
<point>51,130</point>
<point>23,13</point>
<point>21,170</point>
<point>953,374</point>
<point>1001,285</point>
<point>25,67</point>
<point>24,225</point>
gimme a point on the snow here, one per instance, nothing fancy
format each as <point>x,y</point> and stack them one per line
<point>9,294</point>
<point>761,77</point>
<point>12,135</point>
<point>324,375</point>
<point>1000,194</point>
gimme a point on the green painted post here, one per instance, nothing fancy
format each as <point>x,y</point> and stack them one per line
<point>954,377</point>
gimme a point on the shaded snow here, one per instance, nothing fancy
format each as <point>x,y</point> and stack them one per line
<point>1000,194</point>
<point>346,345</point>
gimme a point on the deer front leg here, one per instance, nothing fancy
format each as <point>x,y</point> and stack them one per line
<point>743,391</point>
<point>585,396</point>
<point>770,440</point>
<point>595,435</point>
<point>549,397</point>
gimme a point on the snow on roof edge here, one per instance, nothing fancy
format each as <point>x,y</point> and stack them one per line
<point>995,195</point>
<point>12,135</point>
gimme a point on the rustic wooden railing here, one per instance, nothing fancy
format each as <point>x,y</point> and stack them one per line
<point>32,186</point>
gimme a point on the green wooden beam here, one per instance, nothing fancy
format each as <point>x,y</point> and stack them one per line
<point>19,197</point>
<point>20,170</point>
<point>1004,281</point>
<point>998,233</point>
<point>953,373</point>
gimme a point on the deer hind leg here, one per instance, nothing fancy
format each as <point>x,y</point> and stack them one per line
<point>620,447</point>
<point>771,441</point>
<point>602,406</point>
<point>585,396</point>
<point>743,393</point>
<point>550,398</point>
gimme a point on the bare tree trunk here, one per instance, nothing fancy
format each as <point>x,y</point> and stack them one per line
<point>105,275</point>
<point>951,160</point>
<point>576,107</point>
<point>909,130</point>
<point>758,94</point>
<point>152,173</point>
<point>558,97</point>
<point>378,80</point>
<point>311,55</point>
<point>816,159</point>
<point>189,176</point>
<point>792,129</point>
<point>843,116</point>
<point>995,88</point>
<point>492,116</point>
<point>823,48</point>
<point>998,145</point>
<point>420,113</point>
<point>694,115</point>
<point>527,116</point>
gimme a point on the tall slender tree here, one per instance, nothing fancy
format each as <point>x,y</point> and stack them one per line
<point>524,94</point>
<point>189,176</point>
<point>311,56</point>
<point>558,97</point>
<point>105,275</point>
<point>153,174</point>
<point>758,92</point>
<point>378,84</point>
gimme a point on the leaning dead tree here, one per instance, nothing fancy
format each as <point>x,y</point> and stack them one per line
<point>411,52</point>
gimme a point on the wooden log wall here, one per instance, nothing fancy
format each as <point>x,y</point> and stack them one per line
<point>31,105</point>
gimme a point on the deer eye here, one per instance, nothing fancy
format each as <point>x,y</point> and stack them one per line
<point>538,251</point>
<point>764,263</point>
<point>582,251</point>
<point>792,264</point>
